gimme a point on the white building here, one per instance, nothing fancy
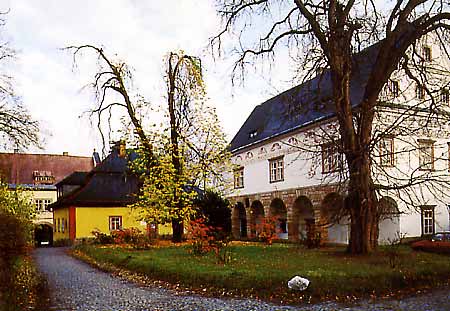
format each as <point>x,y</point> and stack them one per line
<point>288,168</point>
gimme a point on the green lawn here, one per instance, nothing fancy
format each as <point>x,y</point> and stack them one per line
<point>263,271</point>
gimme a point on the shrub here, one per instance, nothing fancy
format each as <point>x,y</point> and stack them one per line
<point>13,237</point>
<point>126,236</point>
<point>208,238</point>
<point>266,230</point>
<point>102,238</point>
<point>200,235</point>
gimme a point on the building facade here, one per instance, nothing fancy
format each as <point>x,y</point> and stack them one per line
<point>289,165</point>
<point>38,174</point>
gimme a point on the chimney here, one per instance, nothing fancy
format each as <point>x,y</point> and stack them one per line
<point>96,158</point>
<point>65,153</point>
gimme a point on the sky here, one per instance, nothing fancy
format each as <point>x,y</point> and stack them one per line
<point>139,32</point>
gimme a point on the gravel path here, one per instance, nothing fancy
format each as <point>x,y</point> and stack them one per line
<point>75,285</point>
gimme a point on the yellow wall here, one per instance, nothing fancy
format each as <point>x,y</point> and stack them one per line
<point>61,232</point>
<point>97,218</point>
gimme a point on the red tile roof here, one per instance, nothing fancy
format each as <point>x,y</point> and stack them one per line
<point>20,168</point>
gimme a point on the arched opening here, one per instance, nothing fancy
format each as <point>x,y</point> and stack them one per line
<point>43,235</point>
<point>335,218</point>
<point>303,222</point>
<point>239,221</point>
<point>278,210</point>
<point>389,225</point>
<point>257,215</point>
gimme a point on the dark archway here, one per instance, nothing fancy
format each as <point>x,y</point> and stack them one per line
<point>43,235</point>
<point>278,210</point>
<point>303,221</point>
<point>239,221</point>
<point>256,216</point>
<point>335,218</point>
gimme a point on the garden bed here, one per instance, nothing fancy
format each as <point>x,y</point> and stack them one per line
<point>261,271</point>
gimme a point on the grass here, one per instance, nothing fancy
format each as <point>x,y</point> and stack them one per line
<point>263,271</point>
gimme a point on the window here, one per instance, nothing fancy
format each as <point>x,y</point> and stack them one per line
<point>426,54</point>
<point>387,151</point>
<point>394,88</point>
<point>331,158</point>
<point>115,223</point>
<point>239,178</point>
<point>43,177</point>
<point>59,225</point>
<point>427,213</point>
<point>276,169</point>
<point>426,155</point>
<point>253,134</point>
<point>445,96</point>
<point>420,91</point>
<point>63,226</point>
<point>42,204</point>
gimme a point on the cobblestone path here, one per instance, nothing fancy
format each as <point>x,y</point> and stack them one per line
<point>75,285</point>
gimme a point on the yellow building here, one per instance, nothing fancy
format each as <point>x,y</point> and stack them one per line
<point>98,200</point>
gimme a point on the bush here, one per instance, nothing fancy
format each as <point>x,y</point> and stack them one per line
<point>439,247</point>
<point>13,238</point>
<point>102,238</point>
<point>205,239</point>
<point>266,231</point>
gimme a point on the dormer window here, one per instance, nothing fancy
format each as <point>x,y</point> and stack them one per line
<point>253,134</point>
<point>43,177</point>
<point>426,54</point>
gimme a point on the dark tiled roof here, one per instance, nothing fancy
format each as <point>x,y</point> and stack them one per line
<point>74,179</point>
<point>18,168</point>
<point>301,105</point>
<point>108,184</point>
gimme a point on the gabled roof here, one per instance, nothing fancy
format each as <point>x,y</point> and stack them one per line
<point>74,179</point>
<point>302,105</point>
<point>18,168</point>
<point>109,184</point>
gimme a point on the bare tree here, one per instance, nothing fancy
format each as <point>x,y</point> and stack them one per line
<point>17,128</point>
<point>331,34</point>
<point>163,196</point>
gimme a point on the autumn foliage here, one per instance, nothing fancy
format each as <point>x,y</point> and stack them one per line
<point>266,230</point>
<point>205,239</point>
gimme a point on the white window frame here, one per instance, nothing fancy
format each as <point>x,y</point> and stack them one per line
<point>427,216</point>
<point>420,92</point>
<point>426,155</point>
<point>331,158</point>
<point>115,223</point>
<point>239,178</point>
<point>386,147</point>
<point>276,169</point>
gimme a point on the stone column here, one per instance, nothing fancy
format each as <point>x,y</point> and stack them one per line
<point>235,223</point>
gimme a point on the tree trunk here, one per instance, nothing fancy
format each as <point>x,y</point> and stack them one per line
<point>362,204</point>
<point>177,231</point>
